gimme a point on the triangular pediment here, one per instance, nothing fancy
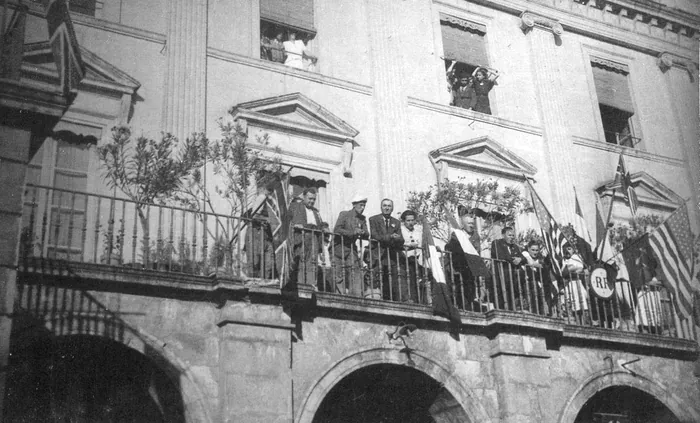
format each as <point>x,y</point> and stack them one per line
<point>484,155</point>
<point>38,63</point>
<point>649,191</point>
<point>295,112</point>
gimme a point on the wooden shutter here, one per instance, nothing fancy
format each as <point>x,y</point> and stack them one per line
<point>297,14</point>
<point>463,41</point>
<point>612,89</point>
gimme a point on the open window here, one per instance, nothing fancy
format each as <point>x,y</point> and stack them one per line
<point>614,102</point>
<point>281,20</point>
<point>463,42</point>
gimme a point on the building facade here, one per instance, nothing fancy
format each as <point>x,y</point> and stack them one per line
<point>367,108</point>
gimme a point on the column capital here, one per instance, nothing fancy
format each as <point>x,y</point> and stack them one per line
<point>529,20</point>
<point>667,60</point>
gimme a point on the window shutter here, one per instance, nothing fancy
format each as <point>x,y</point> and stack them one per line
<point>612,89</point>
<point>463,41</point>
<point>298,14</point>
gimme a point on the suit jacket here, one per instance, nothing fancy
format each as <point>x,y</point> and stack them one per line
<point>296,215</point>
<point>345,226</point>
<point>380,233</point>
<point>500,250</point>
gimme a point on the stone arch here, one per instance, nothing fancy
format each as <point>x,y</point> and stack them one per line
<point>315,395</point>
<point>141,341</point>
<point>606,379</point>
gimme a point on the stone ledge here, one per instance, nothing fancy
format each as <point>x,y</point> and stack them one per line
<point>286,70</point>
<point>470,114</point>
<point>632,152</point>
<point>634,339</point>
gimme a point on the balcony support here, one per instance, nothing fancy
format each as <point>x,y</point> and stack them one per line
<point>545,35</point>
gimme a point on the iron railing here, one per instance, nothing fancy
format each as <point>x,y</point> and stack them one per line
<point>91,228</point>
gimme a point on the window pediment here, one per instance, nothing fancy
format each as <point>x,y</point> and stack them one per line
<point>486,156</point>
<point>650,192</point>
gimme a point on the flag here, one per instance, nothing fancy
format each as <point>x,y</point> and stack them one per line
<point>13,44</point>
<point>552,235</point>
<point>276,204</point>
<point>474,261</point>
<point>580,225</point>
<point>604,251</point>
<point>623,176</point>
<point>442,298</point>
<point>672,245</point>
<point>64,46</point>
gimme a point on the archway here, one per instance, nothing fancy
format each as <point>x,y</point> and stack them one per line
<point>389,393</point>
<point>624,404</point>
<point>88,379</point>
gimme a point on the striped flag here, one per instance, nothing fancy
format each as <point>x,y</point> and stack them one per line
<point>64,45</point>
<point>276,204</point>
<point>442,297</point>
<point>623,176</point>
<point>471,255</point>
<point>604,251</point>
<point>672,245</point>
<point>552,235</point>
<point>579,223</point>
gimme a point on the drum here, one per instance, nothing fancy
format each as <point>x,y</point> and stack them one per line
<point>601,287</point>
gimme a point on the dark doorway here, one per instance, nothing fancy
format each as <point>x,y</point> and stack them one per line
<point>624,404</point>
<point>388,393</point>
<point>88,379</point>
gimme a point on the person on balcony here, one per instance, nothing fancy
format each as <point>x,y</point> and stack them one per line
<point>470,272</point>
<point>307,238</point>
<point>538,270</point>
<point>350,227</point>
<point>411,261</point>
<point>574,296</point>
<point>510,275</point>
<point>463,94</point>
<point>296,52</point>
<point>485,80</point>
<point>385,250</point>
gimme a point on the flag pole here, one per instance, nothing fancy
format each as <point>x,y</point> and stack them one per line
<point>607,221</point>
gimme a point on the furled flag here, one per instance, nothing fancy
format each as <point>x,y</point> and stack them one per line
<point>474,261</point>
<point>552,235</point>
<point>604,251</point>
<point>64,46</point>
<point>276,204</point>
<point>672,245</point>
<point>580,223</point>
<point>623,176</point>
<point>442,298</point>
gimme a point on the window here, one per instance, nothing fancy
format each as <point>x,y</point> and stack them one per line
<point>62,164</point>
<point>614,102</point>
<point>463,42</point>
<point>286,33</point>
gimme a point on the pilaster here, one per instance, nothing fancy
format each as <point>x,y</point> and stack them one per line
<point>390,115</point>
<point>545,37</point>
<point>184,97</point>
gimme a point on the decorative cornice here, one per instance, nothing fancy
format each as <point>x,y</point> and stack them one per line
<point>463,23</point>
<point>633,152</point>
<point>609,65</point>
<point>668,60</point>
<point>529,20</point>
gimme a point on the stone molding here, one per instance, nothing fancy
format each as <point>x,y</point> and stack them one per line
<point>617,149</point>
<point>470,114</point>
<point>609,65</point>
<point>668,60</point>
<point>463,23</point>
<point>530,20</point>
<point>227,56</point>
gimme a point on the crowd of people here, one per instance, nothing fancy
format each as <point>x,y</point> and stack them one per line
<point>382,257</point>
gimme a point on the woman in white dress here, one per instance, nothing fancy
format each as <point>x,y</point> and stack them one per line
<point>296,52</point>
<point>574,295</point>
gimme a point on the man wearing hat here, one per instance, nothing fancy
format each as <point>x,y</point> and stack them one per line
<point>350,226</point>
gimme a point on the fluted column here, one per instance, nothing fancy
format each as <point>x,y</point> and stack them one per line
<point>390,116</point>
<point>184,95</point>
<point>545,37</point>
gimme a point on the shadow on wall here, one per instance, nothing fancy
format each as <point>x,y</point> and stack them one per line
<point>80,371</point>
<point>624,404</point>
